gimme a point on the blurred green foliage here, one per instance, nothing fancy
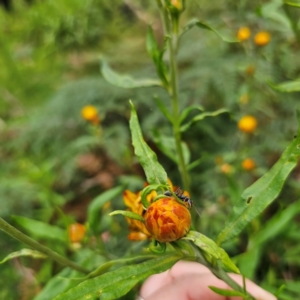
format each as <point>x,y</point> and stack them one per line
<point>53,164</point>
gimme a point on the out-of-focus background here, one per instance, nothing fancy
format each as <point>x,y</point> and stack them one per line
<point>54,163</point>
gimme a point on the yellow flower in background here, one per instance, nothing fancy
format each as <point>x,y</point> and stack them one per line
<point>90,114</point>
<point>247,124</point>
<point>76,232</point>
<point>248,164</point>
<point>226,168</point>
<point>262,38</point>
<point>167,220</point>
<point>243,34</point>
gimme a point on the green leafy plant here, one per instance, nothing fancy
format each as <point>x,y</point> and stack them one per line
<point>94,270</point>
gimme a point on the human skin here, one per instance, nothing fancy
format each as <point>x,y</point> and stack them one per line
<point>190,281</point>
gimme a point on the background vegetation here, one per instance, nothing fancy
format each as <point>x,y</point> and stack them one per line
<point>54,165</point>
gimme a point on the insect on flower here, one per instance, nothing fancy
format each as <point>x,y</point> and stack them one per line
<point>180,195</point>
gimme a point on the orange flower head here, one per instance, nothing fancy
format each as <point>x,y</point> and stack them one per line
<point>262,38</point>
<point>247,124</point>
<point>167,220</point>
<point>90,113</point>
<point>76,232</point>
<point>248,164</point>
<point>243,34</point>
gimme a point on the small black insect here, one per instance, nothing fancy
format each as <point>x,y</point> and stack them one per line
<point>181,196</point>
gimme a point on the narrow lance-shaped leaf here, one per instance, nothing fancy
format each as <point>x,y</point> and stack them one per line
<point>227,293</point>
<point>155,173</point>
<point>163,109</point>
<point>98,202</point>
<point>212,249</point>
<point>259,195</point>
<point>23,252</point>
<point>200,117</point>
<point>287,87</point>
<point>41,230</point>
<point>157,56</point>
<point>187,110</point>
<point>205,26</point>
<point>113,285</point>
<point>126,81</point>
<point>127,214</point>
<point>291,3</point>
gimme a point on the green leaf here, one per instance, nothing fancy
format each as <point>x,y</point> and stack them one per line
<point>65,279</point>
<point>287,87</point>
<point>113,285</point>
<point>148,189</point>
<point>163,109</point>
<point>205,26</point>
<point>249,261</point>
<point>277,224</point>
<point>260,194</point>
<point>188,109</point>
<point>155,173</point>
<point>23,252</point>
<point>41,230</point>
<point>211,248</point>
<point>157,56</point>
<point>167,145</point>
<point>292,4</point>
<point>98,202</point>
<point>106,266</point>
<point>227,293</point>
<point>125,81</point>
<point>200,117</point>
<point>273,10</point>
<point>127,214</point>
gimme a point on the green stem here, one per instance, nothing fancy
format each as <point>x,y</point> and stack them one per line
<point>18,235</point>
<point>172,43</point>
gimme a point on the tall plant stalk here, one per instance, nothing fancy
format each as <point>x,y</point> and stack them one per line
<point>171,35</point>
<point>18,235</point>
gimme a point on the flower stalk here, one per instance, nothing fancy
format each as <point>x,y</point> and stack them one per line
<point>171,35</point>
<point>18,235</point>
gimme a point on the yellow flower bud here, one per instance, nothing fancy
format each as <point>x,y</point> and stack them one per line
<point>243,34</point>
<point>248,164</point>
<point>90,113</point>
<point>262,38</point>
<point>76,232</point>
<point>226,168</point>
<point>247,124</point>
<point>177,4</point>
<point>167,220</point>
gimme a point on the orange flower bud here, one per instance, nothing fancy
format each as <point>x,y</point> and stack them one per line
<point>243,34</point>
<point>248,164</point>
<point>90,113</point>
<point>178,4</point>
<point>247,124</point>
<point>76,232</point>
<point>262,38</point>
<point>167,220</point>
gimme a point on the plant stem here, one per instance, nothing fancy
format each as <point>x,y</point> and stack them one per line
<point>18,235</point>
<point>171,35</point>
